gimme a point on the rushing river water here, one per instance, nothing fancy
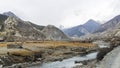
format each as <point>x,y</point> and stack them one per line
<point>67,63</point>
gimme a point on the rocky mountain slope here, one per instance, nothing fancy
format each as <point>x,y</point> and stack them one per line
<point>21,29</point>
<point>2,19</point>
<point>109,24</point>
<point>53,33</point>
<point>15,29</point>
<point>89,27</point>
<point>10,14</point>
<point>108,31</point>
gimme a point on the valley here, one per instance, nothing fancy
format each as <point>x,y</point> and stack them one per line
<point>25,44</point>
<point>39,52</point>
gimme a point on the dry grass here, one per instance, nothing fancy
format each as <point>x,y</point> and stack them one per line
<point>32,45</point>
<point>50,43</point>
<point>2,44</point>
<point>58,43</point>
<point>21,52</point>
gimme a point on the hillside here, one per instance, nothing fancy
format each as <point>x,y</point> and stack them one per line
<point>53,33</point>
<point>89,27</point>
<point>15,29</point>
<point>109,24</point>
<point>109,31</point>
<point>2,19</point>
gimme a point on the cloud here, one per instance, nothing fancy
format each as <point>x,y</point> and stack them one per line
<point>61,12</point>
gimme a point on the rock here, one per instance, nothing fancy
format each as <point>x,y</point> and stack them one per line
<point>83,62</point>
<point>38,54</point>
<point>16,46</point>
<point>102,52</point>
<point>101,44</point>
<point>6,61</point>
<point>2,38</point>
<point>90,64</point>
<point>1,66</point>
<point>29,58</point>
<point>17,66</point>
<point>111,60</point>
<point>81,49</point>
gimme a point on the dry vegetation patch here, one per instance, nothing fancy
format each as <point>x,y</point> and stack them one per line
<point>20,52</point>
<point>31,47</point>
<point>58,43</point>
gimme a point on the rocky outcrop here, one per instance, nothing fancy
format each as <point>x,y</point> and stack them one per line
<point>103,52</point>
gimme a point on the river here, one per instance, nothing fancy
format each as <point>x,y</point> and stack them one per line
<point>66,63</point>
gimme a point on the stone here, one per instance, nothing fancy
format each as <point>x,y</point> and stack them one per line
<point>16,46</point>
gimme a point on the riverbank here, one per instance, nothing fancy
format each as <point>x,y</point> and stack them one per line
<point>67,63</point>
<point>106,58</point>
<point>89,64</point>
<point>32,53</point>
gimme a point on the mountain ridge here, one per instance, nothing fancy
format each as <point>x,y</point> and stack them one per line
<point>109,31</point>
<point>109,24</point>
<point>80,30</point>
<point>15,29</point>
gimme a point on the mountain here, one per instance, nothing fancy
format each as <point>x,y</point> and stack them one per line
<point>10,14</point>
<point>15,29</point>
<point>109,25</point>
<point>53,33</point>
<point>2,19</point>
<point>89,27</point>
<point>109,31</point>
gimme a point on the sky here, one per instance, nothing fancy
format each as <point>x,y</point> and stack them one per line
<point>65,13</point>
